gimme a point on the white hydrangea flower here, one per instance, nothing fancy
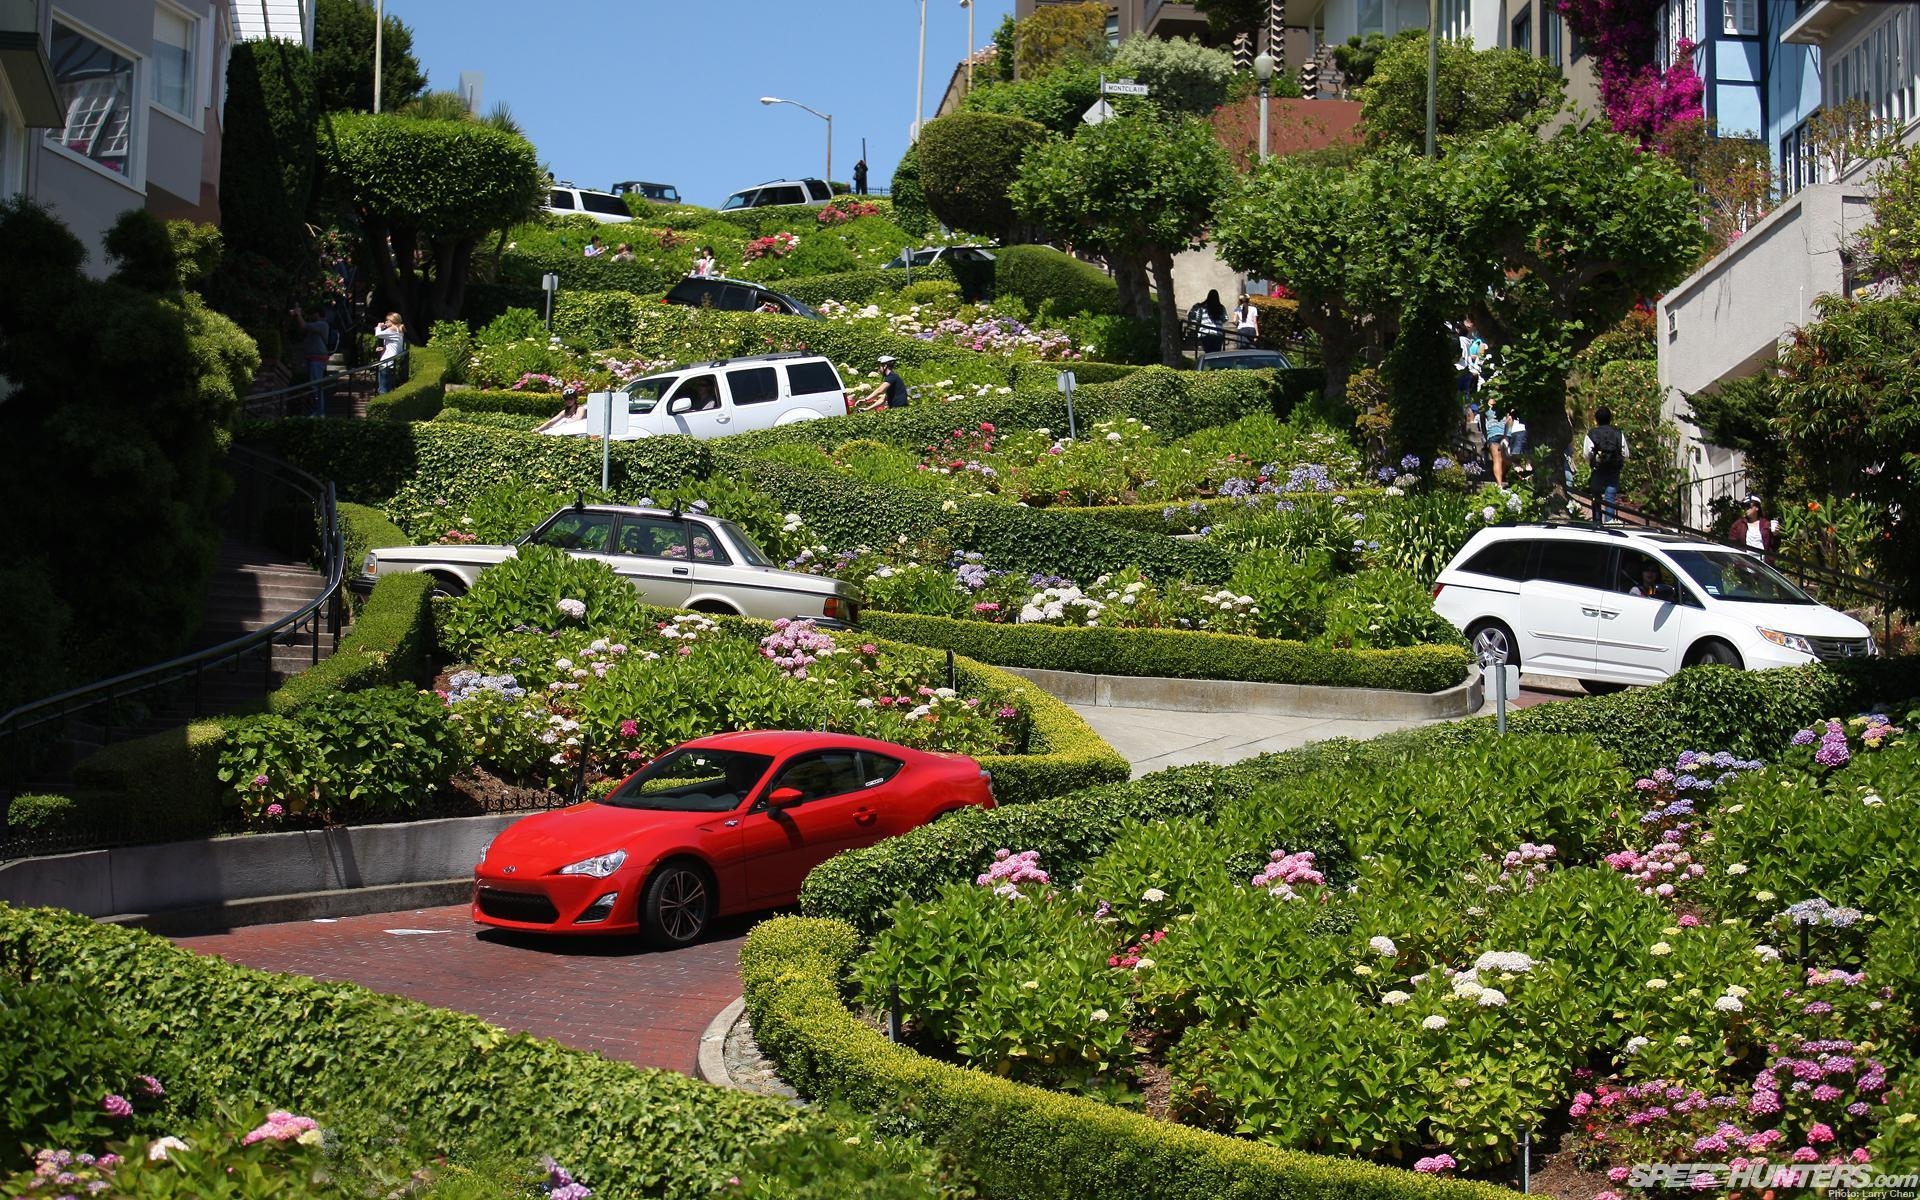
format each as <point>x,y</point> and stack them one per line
<point>1395,997</point>
<point>1383,946</point>
<point>1436,1021</point>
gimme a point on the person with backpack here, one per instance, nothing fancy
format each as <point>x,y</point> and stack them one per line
<point>1209,319</point>
<point>1606,452</point>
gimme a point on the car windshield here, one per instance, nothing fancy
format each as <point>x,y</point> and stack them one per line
<point>737,200</point>
<point>1738,577</point>
<point>692,780</point>
<point>750,552</point>
<point>800,308</point>
<point>643,394</point>
<point>1245,362</point>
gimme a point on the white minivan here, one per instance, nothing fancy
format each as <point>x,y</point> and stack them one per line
<point>1610,607</point>
<point>714,399</point>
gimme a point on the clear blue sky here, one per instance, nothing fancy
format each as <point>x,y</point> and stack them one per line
<point>670,92</point>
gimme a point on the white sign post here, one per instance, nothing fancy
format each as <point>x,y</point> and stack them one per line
<point>549,283</point>
<point>1123,87</point>
<point>1067,384</point>
<point>1101,110</point>
<point>607,411</point>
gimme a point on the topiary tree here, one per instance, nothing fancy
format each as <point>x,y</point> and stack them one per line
<point>968,161</point>
<point>1183,76</point>
<point>1478,90</point>
<point>426,193</point>
<point>1137,187</point>
<point>909,203</point>
<point>343,54</point>
<point>268,144</point>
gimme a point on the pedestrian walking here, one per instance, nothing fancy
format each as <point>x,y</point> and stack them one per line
<point>1209,320</point>
<point>1471,365</point>
<point>391,333</point>
<point>1606,452</point>
<point>316,337</point>
<point>860,177</point>
<point>1246,323</point>
<point>1754,531</point>
<point>1499,447</point>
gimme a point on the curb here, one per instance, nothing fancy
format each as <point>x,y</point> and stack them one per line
<point>299,906</point>
<point>712,1063</point>
<point>1269,699</point>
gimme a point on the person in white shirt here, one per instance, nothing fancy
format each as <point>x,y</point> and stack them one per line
<point>392,336</point>
<point>705,267</point>
<point>595,247</point>
<point>1246,322</point>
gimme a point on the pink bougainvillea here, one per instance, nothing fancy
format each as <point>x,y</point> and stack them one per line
<point>1623,36</point>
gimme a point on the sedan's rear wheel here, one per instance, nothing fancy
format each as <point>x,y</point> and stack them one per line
<point>448,586</point>
<point>677,905</point>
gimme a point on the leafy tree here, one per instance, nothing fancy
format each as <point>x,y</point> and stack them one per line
<point>1136,187</point>
<point>426,193</point>
<point>1732,175</point>
<point>343,58</point>
<point>1005,38</point>
<point>1181,74</point>
<point>1226,19</point>
<point>1357,56</point>
<point>123,392</point>
<point>1054,100</point>
<point>267,165</point>
<point>1477,90</point>
<point>1056,35</point>
<point>1892,242</point>
<point>968,161</point>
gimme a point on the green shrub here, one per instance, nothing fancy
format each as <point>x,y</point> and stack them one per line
<point>527,589</point>
<point>909,203</point>
<point>521,404</point>
<point>156,788</point>
<point>859,287</point>
<point>388,1071</point>
<point>968,162</point>
<point>383,752</point>
<point>419,397</point>
<point>1015,1139</point>
<point>454,340</point>
<point>363,529</point>
<point>1180,654</point>
<point>483,302</point>
<point>60,1055</point>
<point>391,642</point>
<point>1386,608</point>
<point>1037,275</point>
<point>489,420</point>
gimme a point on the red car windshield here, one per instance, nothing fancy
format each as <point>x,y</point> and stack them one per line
<point>690,780</point>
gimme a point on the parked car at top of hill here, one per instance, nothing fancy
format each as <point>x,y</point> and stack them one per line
<point>656,193</point>
<point>725,824</point>
<point>675,559</point>
<point>714,399</point>
<point>565,200</point>
<point>781,191</point>
<point>1611,607</point>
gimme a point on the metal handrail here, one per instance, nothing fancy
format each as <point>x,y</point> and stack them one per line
<point>36,713</point>
<point>274,403</point>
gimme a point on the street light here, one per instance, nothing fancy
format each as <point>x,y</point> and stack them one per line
<point>920,80</point>
<point>827,117</point>
<point>1263,71</point>
<point>379,50</point>
<point>968,5</point>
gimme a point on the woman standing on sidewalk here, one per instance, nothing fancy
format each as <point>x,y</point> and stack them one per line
<point>392,336</point>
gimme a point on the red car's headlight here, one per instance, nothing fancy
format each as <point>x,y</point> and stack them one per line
<point>599,867</point>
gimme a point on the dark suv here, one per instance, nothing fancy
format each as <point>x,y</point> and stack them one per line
<point>736,295</point>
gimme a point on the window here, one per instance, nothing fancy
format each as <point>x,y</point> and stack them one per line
<point>1678,23</point>
<point>1880,69</point>
<point>1799,165</point>
<point>1576,563</point>
<point>600,202</point>
<point>1522,32</point>
<point>832,773</point>
<point>703,391</point>
<point>1113,28</point>
<point>559,199</point>
<point>1372,17</point>
<point>1502,560</point>
<point>755,385</point>
<point>807,378</point>
<point>571,530</point>
<point>1552,35</point>
<point>96,86</point>
<point>176,37</point>
<point>876,769</point>
<point>1740,18</point>
<point>781,195</point>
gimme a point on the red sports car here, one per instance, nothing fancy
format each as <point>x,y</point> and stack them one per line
<point>720,825</point>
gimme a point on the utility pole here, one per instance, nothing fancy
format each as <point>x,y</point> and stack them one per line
<point>968,5</point>
<point>920,79</point>
<point>1433,74</point>
<point>379,47</point>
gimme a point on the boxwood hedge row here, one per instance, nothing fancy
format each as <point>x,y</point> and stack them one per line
<point>224,1037</point>
<point>1179,654</point>
<point>1018,1140</point>
<point>1708,708</point>
<point>419,397</point>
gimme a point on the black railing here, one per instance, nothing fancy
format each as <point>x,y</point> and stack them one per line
<point>313,398</point>
<point>40,741</point>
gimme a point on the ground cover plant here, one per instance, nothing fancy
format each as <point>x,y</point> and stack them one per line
<point>1708,964</point>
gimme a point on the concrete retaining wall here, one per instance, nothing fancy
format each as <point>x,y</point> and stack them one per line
<point>225,873</point>
<point>1271,699</point>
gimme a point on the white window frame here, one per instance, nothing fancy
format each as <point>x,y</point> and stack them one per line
<point>1740,18</point>
<point>198,38</point>
<point>135,178</point>
<point>1882,68</point>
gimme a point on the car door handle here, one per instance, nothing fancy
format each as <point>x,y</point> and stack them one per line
<point>1609,613</point>
<point>683,570</point>
<point>864,816</point>
<point>721,420</point>
<point>1589,612</point>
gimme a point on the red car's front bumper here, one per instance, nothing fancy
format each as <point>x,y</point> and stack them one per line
<point>558,903</point>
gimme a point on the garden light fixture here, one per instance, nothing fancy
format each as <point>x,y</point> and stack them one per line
<point>1263,71</point>
<point>827,117</point>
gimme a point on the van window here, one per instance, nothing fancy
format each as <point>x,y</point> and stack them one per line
<point>572,530</point>
<point>600,202</point>
<point>740,199</point>
<point>559,199</point>
<point>782,195</point>
<point>819,190</point>
<point>703,390</point>
<point>644,394</point>
<point>810,378</point>
<point>754,385</point>
<point>1578,563</point>
<point>1502,560</point>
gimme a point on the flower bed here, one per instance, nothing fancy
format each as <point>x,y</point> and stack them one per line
<point>1614,967</point>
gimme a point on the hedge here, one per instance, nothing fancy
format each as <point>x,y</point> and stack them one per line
<point>419,397</point>
<point>225,1037</point>
<point>370,461</point>
<point>527,404</point>
<point>155,788</point>
<point>1188,516</point>
<point>1037,275</point>
<point>391,642</point>
<point>858,287</point>
<point>1706,708</point>
<point>480,303</point>
<point>1179,654</point>
<point>1015,1139</point>
<point>363,529</point>
<point>489,420</point>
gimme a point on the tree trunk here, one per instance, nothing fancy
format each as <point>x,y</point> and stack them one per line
<point>1130,276</point>
<point>1169,314</point>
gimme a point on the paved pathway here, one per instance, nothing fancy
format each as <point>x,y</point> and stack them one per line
<point>613,995</point>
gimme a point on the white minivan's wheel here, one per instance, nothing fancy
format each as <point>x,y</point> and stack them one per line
<point>1492,637</point>
<point>1714,652</point>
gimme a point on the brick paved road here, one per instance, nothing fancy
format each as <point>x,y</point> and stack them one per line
<point>611,995</point>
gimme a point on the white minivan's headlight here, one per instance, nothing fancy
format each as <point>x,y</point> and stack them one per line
<point>599,866</point>
<point>1791,641</point>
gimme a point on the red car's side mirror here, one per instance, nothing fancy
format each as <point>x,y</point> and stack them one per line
<point>785,797</point>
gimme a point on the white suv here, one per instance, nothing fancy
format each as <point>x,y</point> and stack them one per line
<point>565,200</point>
<point>781,191</point>
<point>1610,607</point>
<point>713,399</point>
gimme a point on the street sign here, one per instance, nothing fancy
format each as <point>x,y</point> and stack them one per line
<point>1123,87</point>
<point>1100,111</point>
<point>549,282</point>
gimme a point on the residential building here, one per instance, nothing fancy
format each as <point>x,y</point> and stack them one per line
<point>134,117</point>
<point>1728,319</point>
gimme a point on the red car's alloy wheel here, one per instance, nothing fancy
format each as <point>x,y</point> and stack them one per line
<point>676,905</point>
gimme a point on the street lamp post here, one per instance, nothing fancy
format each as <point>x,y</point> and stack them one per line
<point>968,5</point>
<point>379,35</point>
<point>827,117</point>
<point>1433,74</point>
<point>1263,71</point>
<point>920,79</point>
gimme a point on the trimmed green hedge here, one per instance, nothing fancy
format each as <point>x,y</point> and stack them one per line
<point>489,420</point>
<point>1179,654</point>
<point>1707,708</point>
<point>365,529</point>
<point>857,287</point>
<point>482,302</point>
<point>391,642</point>
<point>226,1037</point>
<point>1014,1139</point>
<point>419,397</point>
<point>528,404</point>
<point>155,788</point>
<point>1037,275</point>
